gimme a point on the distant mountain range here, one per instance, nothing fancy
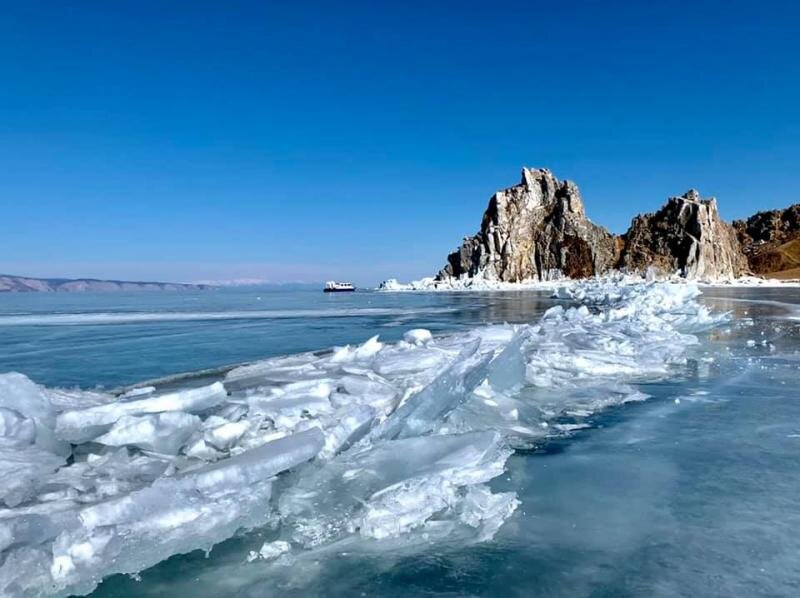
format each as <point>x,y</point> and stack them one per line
<point>235,282</point>
<point>261,283</point>
<point>26,284</point>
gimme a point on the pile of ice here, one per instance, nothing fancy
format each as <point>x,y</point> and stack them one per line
<point>554,281</point>
<point>373,444</point>
<point>468,283</point>
<point>755,281</point>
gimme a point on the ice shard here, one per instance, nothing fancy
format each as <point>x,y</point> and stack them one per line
<point>422,412</point>
<point>174,515</point>
<point>83,425</point>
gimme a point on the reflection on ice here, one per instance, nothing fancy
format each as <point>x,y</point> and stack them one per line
<point>374,445</point>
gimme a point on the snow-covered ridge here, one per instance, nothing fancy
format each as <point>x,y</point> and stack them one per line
<point>385,443</point>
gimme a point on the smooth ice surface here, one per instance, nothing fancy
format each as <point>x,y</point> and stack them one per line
<point>377,456</point>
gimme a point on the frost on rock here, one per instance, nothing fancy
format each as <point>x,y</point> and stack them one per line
<point>371,445</point>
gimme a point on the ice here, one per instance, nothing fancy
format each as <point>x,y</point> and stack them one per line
<point>173,515</point>
<point>64,399</point>
<point>269,551</point>
<point>466,283</point>
<point>555,280</point>
<point>86,424</point>
<point>507,369</point>
<point>276,370</point>
<point>353,423</point>
<point>388,488</point>
<point>17,392</point>
<point>162,433</point>
<point>483,510</point>
<point>141,391</point>
<point>225,435</point>
<point>224,476</point>
<point>371,389</point>
<point>377,444</point>
<point>16,429</point>
<point>424,410</point>
<point>24,471</point>
<point>366,351</point>
<point>28,400</point>
<point>418,336</point>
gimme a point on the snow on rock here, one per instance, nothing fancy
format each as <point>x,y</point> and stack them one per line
<point>382,443</point>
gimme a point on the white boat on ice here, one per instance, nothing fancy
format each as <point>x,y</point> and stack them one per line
<point>338,287</point>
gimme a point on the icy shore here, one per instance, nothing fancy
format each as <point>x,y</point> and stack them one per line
<point>478,283</point>
<point>468,284</point>
<point>374,443</point>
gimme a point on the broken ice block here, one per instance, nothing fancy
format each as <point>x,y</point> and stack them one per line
<point>86,424</point>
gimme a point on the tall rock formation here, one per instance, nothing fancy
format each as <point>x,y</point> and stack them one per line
<point>534,230</point>
<point>771,242</point>
<point>538,229</point>
<point>686,236</point>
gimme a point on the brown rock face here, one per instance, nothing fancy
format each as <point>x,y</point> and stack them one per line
<point>538,229</point>
<point>686,236</point>
<point>534,230</point>
<point>771,242</point>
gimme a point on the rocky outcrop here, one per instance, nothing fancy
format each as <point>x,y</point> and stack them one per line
<point>771,242</point>
<point>537,229</point>
<point>686,236</point>
<point>23,284</point>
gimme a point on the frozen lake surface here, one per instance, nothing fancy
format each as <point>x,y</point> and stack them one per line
<point>644,444</point>
<point>124,338</point>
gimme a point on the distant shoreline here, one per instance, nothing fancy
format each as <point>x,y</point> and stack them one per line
<point>28,284</point>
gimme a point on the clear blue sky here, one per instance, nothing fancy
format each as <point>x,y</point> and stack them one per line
<point>299,140</point>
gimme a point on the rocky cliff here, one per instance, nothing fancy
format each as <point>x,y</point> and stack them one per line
<point>771,242</point>
<point>538,229</point>
<point>24,284</point>
<point>686,236</point>
<point>534,230</point>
